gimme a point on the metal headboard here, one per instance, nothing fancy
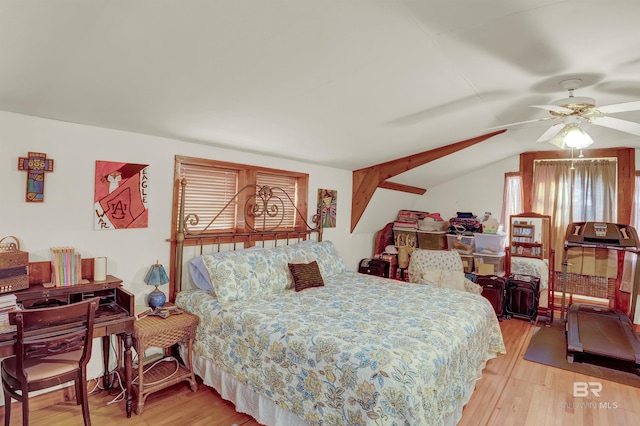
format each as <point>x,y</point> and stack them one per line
<point>263,212</point>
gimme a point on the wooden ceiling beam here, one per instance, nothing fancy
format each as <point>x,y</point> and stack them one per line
<point>403,188</point>
<point>365,181</point>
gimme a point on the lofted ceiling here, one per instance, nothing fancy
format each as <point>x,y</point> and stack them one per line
<point>343,83</point>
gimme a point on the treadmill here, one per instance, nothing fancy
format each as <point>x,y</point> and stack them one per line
<point>594,329</point>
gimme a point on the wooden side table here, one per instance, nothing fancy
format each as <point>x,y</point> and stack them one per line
<point>154,331</point>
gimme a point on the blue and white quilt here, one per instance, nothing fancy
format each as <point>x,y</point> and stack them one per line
<point>361,350</point>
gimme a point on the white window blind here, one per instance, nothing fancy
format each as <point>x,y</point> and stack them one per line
<point>289,184</point>
<point>206,194</point>
<point>212,184</point>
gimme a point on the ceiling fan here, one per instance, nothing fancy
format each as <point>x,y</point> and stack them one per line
<point>571,112</point>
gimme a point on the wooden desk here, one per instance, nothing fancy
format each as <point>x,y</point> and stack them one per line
<point>113,317</point>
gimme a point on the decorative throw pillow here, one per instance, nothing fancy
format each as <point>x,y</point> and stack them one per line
<point>452,279</point>
<point>431,277</point>
<point>306,275</point>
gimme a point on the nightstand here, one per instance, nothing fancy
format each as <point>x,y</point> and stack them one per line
<point>154,331</point>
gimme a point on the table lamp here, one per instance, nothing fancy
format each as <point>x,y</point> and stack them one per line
<point>156,276</point>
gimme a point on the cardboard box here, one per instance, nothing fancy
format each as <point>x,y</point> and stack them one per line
<point>467,263</point>
<point>489,264</point>
<point>592,262</point>
<point>432,240</point>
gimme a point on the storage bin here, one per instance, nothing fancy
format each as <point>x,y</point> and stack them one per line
<point>405,237</point>
<point>490,243</point>
<point>14,266</point>
<point>467,263</point>
<point>463,244</point>
<point>489,264</point>
<point>432,240</point>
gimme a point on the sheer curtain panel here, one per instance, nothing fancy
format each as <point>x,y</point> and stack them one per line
<point>574,191</point>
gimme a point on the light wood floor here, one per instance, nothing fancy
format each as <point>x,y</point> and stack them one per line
<point>512,391</point>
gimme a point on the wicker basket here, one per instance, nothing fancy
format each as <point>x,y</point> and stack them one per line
<point>587,285</point>
<point>14,265</point>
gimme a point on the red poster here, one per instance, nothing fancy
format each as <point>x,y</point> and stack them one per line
<point>120,199</point>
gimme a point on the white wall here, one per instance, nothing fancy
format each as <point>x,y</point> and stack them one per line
<point>65,216</point>
<point>479,191</point>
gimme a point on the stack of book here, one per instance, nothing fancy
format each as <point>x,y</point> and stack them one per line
<point>7,303</point>
<point>66,266</point>
<point>407,224</point>
<point>408,219</point>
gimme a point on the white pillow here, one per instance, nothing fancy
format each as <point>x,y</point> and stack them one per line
<point>443,278</point>
<point>452,279</point>
<point>431,277</point>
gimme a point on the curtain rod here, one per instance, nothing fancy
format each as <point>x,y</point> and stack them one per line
<point>578,159</point>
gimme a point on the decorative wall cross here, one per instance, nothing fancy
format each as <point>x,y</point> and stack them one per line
<point>36,164</point>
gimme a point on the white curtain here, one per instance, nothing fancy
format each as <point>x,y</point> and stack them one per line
<point>629,258</point>
<point>574,191</point>
<point>511,199</point>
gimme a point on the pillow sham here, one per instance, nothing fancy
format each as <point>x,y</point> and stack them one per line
<point>325,253</point>
<point>306,275</point>
<point>200,275</point>
<point>245,273</point>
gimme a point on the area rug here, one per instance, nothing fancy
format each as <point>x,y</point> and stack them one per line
<point>548,346</point>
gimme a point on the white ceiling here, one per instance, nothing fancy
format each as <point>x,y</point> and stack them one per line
<point>345,83</point>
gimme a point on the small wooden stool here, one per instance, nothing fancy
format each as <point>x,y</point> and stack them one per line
<point>154,331</point>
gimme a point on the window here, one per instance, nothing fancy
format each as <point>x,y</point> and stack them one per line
<point>630,259</point>
<point>512,199</point>
<point>574,191</point>
<point>211,186</point>
<point>289,185</point>
<point>625,159</point>
<point>208,190</point>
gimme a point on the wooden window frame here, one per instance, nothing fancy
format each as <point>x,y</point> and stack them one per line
<point>247,174</point>
<point>626,183</point>
<point>626,174</point>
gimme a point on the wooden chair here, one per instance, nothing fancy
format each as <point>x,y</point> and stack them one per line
<point>53,347</point>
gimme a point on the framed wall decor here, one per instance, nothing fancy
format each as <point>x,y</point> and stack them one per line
<point>35,164</point>
<point>328,200</point>
<point>120,196</point>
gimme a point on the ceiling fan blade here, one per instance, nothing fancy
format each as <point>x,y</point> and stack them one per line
<point>521,122</point>
<point>551,132</point>
<point>554,108</point>
<point>617,124</point>
<point>626,106</point>
<point>560,143</point>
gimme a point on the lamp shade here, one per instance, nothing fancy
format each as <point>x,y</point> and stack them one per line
<point>572,136</point>
<point>156,275</point>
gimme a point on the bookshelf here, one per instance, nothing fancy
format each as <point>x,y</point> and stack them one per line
<point>530,236</point>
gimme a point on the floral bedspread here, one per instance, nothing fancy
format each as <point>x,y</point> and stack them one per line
<point>360,350</point>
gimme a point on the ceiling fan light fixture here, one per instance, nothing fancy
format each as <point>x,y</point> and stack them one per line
<point>572,136</point>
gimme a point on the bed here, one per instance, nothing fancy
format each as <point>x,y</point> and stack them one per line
<point>347,348</point>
